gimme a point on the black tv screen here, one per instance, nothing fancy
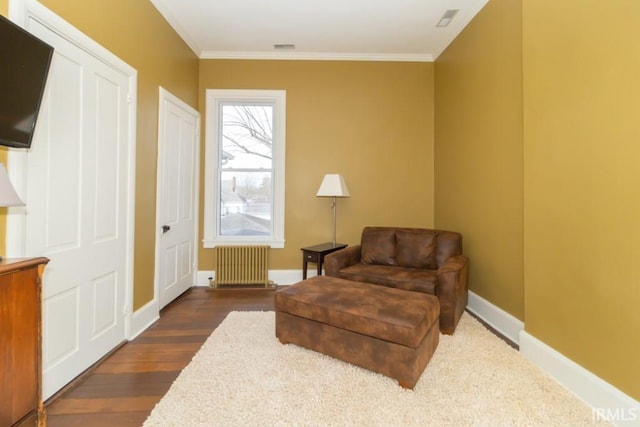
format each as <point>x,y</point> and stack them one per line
<point>24,66</point>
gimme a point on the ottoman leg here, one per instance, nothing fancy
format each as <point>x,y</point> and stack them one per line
<point>406,384</point>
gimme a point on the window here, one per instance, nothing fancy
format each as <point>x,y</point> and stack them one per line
<point>244,167</point>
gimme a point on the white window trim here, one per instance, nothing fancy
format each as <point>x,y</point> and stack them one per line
<point>214,98</point>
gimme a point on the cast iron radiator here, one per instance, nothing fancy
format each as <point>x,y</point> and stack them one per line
<point>242,265</point>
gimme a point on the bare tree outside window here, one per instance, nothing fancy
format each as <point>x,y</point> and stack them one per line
<point>248,129</point>
<point>246,169</point>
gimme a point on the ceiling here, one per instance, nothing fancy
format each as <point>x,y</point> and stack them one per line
<point>378,30</point>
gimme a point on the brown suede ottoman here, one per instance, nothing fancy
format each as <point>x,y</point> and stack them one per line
<point>390,331</point>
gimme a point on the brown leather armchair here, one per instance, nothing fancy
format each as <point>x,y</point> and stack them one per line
<point>413,259</point>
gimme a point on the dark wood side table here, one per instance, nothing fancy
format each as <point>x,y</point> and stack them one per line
<point>316,254</point>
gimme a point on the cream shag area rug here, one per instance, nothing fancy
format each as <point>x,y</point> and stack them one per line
<point>243,376</point>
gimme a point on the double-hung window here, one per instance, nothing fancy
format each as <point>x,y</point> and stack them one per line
<point>244,167</point>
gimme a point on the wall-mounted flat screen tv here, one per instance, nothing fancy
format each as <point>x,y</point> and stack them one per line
<point>24,66</point>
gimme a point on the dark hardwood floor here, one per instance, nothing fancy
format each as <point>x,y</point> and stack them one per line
<point>123,389</point>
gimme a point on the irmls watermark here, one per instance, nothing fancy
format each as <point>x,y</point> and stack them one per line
<point>616,414</point>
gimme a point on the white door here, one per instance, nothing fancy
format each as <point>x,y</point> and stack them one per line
<point>178,159</point>
<point>78,187</point>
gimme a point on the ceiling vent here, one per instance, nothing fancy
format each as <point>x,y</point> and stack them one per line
<point>447,17</point>
<point>284,46</point>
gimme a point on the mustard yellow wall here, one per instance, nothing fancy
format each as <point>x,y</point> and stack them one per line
<point>539,113</point>
<point>370,121</point>
<point>582,205</point>
<point>137,33</point>
<point>478,151</point>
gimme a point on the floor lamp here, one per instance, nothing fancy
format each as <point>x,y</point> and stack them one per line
<point>8,196</point>
<point>333,185</point>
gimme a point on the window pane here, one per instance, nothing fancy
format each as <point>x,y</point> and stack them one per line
<point>247,132</point>
<point>245,148</point>
<point>245,203</point>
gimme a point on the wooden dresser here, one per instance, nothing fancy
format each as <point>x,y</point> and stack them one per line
<point>21,341</point>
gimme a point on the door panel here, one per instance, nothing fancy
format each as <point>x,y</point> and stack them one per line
<point>177,172</point>
<point>106,164</point>
<point>61,133</point>
<point>77,199</point>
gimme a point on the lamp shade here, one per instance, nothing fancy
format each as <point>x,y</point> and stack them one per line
<point>8,195</point>
<point>333,185</point>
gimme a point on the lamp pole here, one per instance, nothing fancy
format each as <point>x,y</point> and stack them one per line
<point>333,205</point>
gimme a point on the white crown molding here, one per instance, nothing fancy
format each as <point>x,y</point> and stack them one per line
<point>318,56</point>
<point>175,24</point>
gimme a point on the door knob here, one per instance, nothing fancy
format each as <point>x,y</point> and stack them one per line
<point>165,228</point>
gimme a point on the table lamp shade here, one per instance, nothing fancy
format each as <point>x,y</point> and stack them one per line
<point>8,195</point>
<point>333,185</point>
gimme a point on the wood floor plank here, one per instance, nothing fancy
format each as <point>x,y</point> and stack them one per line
<point>144,367</point>
<point>105,419</point>
<point>170,346</point>
<point>136,356</point>
<point>123,389</point>
<point>108,405</point>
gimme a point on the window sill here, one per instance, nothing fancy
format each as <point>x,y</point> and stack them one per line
<point>274,244</point>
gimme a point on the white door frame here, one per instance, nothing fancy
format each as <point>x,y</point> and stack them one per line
<point>20,11</point>
<point>166,96</point>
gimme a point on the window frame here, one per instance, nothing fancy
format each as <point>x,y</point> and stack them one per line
<point>214,99</point>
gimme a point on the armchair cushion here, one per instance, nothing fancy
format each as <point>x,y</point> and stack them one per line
<point>378,247</point>
<point>416,248</point>
<point>410,279</point>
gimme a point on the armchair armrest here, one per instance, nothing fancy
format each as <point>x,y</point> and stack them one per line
<point>453,264</point>
<point>343,258</point>
<point>452,291</point>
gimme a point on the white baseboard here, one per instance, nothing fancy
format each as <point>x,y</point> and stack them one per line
<point>143,317</point>
<point>202,278</point>
<point>499,319</point>
<point>289,277</point>
<point>607,402</point>
<point>281,277</point>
